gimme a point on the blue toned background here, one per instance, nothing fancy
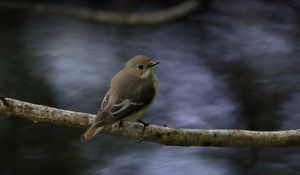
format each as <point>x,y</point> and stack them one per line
<point>235,64</point>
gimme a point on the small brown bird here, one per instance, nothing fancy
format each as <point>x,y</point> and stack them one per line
<point>131,92</point>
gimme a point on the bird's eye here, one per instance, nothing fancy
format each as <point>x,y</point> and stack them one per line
<point>140,66</point>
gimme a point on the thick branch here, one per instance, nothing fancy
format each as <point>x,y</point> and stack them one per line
<point>153,133</point>
<point>175,12</point>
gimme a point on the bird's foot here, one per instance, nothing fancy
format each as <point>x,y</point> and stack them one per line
<point>145,125</point>
<point>120,124</point>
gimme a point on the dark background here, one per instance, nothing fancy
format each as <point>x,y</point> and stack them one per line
<point>232,65</point>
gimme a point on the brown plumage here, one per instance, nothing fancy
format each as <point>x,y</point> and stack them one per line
<point>131,92</point>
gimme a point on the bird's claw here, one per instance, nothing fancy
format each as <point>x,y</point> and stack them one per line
<point>145,125</point>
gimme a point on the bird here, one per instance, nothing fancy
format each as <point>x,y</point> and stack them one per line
<point>131,92</point>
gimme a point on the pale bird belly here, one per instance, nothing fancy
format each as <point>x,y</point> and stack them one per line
<point>135,116</point>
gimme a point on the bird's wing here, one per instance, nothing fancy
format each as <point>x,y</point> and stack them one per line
<point>130,104</point>
<point>104,101</point>
<point>125,108</point>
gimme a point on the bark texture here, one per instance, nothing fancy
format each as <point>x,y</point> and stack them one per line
<point>153,133</point>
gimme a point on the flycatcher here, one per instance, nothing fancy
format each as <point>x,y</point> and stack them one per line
<point>131,92</point>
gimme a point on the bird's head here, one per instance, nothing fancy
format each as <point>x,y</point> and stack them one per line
<point>141,66</point>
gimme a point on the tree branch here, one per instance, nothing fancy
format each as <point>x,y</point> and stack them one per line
<point>153,133</point>
<point>171,13</point>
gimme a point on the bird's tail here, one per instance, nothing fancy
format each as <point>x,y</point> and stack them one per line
<point>91,132</point>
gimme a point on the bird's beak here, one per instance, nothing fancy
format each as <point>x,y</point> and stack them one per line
<point>153,63</point>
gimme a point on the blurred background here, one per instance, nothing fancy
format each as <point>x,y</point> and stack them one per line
<point>228,65</point>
